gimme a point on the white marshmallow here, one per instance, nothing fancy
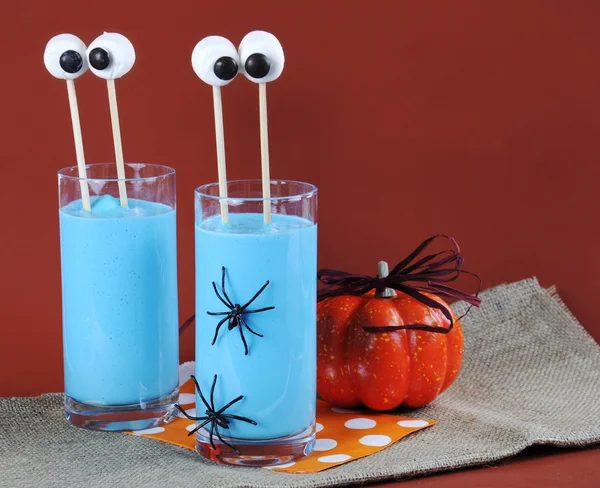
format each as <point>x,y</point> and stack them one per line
<point>205,55</point>
<point>264,43</point>
<point>55,49</point>
<point>120,52</point>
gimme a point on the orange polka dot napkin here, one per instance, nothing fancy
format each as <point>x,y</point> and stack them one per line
<point>342,435</point>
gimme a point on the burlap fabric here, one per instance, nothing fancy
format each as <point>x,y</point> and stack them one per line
<point>531,376</point>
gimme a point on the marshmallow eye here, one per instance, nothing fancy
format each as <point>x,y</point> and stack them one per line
<point>65,57</point>
<point>261,57</point>
<point>215,60</point>
<point>111,56</point>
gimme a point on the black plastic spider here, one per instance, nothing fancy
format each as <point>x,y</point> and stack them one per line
<point>236,313</point>
<point>216,418</point>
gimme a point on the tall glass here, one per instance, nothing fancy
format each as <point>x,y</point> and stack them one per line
<point>119,296</point>
<point>256,321</point>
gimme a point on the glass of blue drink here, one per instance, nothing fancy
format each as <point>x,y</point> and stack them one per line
<point>256,322</point>
<point>119,296</point>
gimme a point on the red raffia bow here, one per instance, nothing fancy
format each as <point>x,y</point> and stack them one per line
<point>413,277</point>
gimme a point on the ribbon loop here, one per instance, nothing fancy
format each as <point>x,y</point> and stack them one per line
<point>414,276</point>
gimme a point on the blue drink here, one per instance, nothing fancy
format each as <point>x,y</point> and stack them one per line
<point>120,317</point>
<point>277,376</point>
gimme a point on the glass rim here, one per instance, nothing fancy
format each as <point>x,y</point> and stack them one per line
<point>62,173</point>
<point>201,191</point>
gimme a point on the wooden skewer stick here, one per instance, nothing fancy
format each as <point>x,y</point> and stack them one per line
<point>221,166</point>
<point>116,130</point>
<point>264,152</point>
<point>85,194</point>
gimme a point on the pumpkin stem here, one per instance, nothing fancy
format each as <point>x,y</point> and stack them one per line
<point>382,271</point>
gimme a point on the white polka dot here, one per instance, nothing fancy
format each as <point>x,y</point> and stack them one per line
<point>334,458</point>
<point>344,410</point>
<point>413,423</point>
<point>185,371</point>
<point>153,430</point>
<point>375,440</point>
<point>281,466</point>
<point>191,412</point>
<point>360,423</point>
<point>319,427</point>
<point>190,427</point>
<point>187,398</point>
<point>324,444</point>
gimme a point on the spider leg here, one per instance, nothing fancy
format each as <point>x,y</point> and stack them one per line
<point>200,392</point>
<point>212,430</point>
<point>244,340</point>
<point>212,394</point>
<point>223,288</point>
<point>217,330</point>
<point>220,297</point>
<point>237,417</point>
<point>248,327</point>
<point>199,426</point>
<point>256,294</point>
<point>224,441</point>
<point>235,400</point>
<point>186,414</point>
<point>218,313</point>
<point>259,310</point>
<point>186,324</point>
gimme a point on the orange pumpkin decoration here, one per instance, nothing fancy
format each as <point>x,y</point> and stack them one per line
<point>383,370</point>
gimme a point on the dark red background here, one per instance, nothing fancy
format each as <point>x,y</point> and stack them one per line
<point>478,119</point>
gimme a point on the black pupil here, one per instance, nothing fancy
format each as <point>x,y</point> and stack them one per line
<point>71,61</point>
<point>225,68</point>
<point>257,65</point>
<point>99,58</point>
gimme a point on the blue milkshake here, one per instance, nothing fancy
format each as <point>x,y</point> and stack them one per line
<point>277,376</point>
<point>119,292</point>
